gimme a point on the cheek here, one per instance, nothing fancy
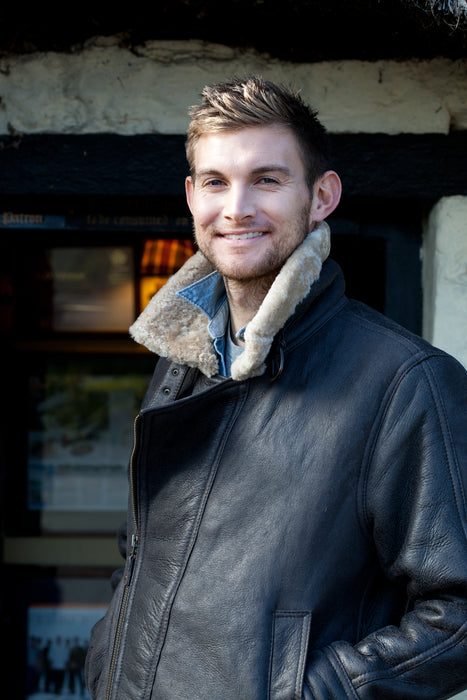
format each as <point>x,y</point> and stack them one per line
<point>203,211</point>
<point>288,208</point>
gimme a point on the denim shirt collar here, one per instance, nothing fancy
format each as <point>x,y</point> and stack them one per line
<point>209,295</point>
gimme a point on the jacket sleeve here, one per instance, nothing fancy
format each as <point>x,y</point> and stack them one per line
<point>414,508</point>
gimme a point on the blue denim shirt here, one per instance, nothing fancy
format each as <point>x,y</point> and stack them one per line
<point>209,295</point>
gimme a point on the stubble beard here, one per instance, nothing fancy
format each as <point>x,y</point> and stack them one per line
<point>268,268</point>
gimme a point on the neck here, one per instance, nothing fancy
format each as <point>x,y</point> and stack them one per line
<point>245,298</point>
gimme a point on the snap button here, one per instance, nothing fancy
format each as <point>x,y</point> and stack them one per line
<point>166,391</point>
<point>175,372</point>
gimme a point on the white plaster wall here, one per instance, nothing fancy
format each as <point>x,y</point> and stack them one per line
<point>106,88</point>
<point>445,277</point>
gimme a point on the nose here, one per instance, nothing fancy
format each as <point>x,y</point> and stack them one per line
<point>239,203</point>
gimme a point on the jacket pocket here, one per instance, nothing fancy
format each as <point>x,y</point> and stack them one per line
<point>289,646</point>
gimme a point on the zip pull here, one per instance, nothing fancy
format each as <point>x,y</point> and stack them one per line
<point>132,556</point>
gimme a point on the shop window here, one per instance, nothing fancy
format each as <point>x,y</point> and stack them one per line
<point>79,378</point>
<point>70,286</point>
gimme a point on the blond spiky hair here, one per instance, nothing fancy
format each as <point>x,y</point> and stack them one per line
<point>252,101</point>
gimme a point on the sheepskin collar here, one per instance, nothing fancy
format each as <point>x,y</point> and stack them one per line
<point>174,328</point>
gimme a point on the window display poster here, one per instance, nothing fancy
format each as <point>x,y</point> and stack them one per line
<point>93,288</point>
<point>80,434</point>
<point>58,638</point>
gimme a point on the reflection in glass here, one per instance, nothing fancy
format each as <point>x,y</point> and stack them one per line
<point>80,433</point>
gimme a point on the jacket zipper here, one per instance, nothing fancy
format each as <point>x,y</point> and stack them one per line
<point>131,565</point>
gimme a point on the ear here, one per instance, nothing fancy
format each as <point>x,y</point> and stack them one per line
<point>326,196</point>
<point>189,186</point>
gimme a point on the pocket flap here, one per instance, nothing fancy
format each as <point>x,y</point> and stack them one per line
<point>290,635</point>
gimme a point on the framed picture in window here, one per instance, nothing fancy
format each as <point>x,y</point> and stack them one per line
<point>93,288</point>
<point>52,612</point>
<point>77,441</point>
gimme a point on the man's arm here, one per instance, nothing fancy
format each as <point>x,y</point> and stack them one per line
<point>415,509</point>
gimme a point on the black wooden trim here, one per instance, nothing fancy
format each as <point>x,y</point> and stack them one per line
<point>425,166</point>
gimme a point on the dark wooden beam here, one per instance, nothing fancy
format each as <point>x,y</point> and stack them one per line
<point>371,165</point>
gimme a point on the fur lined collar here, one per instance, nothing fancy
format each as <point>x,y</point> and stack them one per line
<point>173,328</point>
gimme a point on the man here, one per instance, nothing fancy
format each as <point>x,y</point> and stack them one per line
<point>297,513</point>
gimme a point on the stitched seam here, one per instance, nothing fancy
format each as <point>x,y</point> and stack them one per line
<point>301,660</point>
<point>172,594</point>
<point>292,613</point>
<point>443,422</point>
<point>407,343</point>
<point>341,673</point>
<point>271,652</point>
<point>448,443</point>
<point>375,432</point>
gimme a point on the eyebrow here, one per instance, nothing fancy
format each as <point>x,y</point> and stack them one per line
<point>256,171</point>
<point>271,168</point>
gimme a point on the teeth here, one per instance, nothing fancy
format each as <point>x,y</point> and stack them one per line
<point>242,236</point>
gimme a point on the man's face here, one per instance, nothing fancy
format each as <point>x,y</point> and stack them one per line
<point>250,202</point>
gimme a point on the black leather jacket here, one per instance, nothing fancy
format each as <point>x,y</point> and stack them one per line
<point>297,538</point>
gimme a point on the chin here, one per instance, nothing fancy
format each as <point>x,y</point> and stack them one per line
<point>248,274</point>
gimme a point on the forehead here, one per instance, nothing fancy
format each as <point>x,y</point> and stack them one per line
<point>248,149</point>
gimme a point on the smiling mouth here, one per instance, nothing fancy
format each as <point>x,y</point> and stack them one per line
<point>242,236</point>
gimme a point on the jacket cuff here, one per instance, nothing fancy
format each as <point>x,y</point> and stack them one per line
<point>325,679</point>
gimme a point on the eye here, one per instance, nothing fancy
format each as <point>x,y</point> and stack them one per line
<point>213,182</point>
<point>267,180</point>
